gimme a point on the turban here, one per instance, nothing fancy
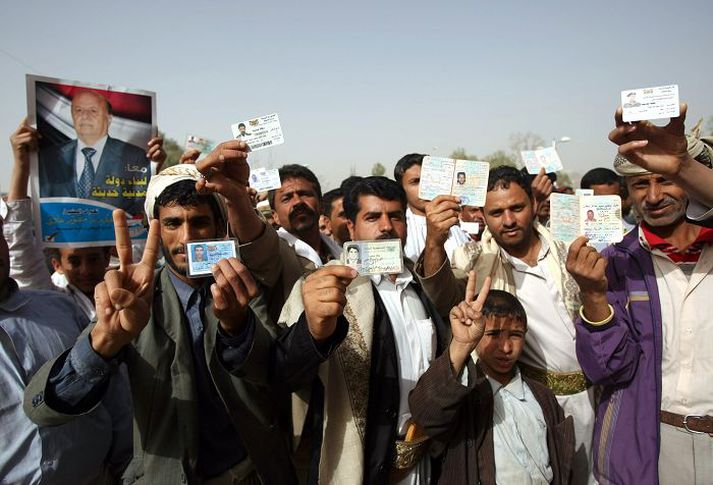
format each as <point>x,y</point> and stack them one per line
<point>699,148</point>
<point>169,176</point>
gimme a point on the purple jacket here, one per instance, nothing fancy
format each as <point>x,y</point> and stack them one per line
<point>624,358</point>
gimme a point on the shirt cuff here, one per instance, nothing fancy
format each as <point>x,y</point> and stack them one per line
<point>597,324</point>
<point>88,364</point>
<point>17,210</point>
<point>324,349</point>
<point>233,350</point>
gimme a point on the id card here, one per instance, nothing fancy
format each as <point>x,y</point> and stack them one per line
<point>650,103</point>
<point>262,179</point>
<point>374,257</point>
<point>202,255</point>
<point>583,191</point>
<point>544,157</point>
<point>466,179</point>
<point>596,216</point>
<point>259,133</point>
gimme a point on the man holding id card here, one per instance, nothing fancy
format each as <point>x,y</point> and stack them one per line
<point>357,343</point>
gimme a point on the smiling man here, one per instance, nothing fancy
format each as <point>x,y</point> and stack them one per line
<point>297,209</point>
<point>355,348</point>
<point>522,259</point>
<point>644,331</point>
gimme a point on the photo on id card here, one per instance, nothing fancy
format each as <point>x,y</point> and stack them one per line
<point>202,255</point>
<point>374,257</point>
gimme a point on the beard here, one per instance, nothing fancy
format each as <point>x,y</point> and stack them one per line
<point>170,255</point>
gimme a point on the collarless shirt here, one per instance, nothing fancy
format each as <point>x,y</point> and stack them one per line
<point>79,157</point>
<point>550,340</point>
<point>519,434</point>
<point>415,338</point>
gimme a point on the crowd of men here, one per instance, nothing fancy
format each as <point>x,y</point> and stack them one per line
<point>498,355</point>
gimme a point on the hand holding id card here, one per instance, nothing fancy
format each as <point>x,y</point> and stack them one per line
<point>202,255</point>
<point>381,256</point>
<point>259,133</point>
<point>466,179</point>
<point>650,103</point>
<point>596,216</point>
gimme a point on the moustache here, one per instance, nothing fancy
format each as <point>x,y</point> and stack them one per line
<point>387,235</point>
<point>179,250</point>
<point>665,202</point>
<point>300,209</point>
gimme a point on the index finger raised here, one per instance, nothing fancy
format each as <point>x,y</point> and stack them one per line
<point>123,240</point>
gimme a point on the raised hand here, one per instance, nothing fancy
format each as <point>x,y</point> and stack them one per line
<point>232,291</point>
<point>541,187</point>
<point>226,170</point>
<point>658,149</point>
<point>190,156</point>
<point>441,214</point>
<point>23,141</point>
<point>467,322</point>
<point>324,297</point>
<point>155,151</point>
<point>588,268</point>
<point>123,299</point>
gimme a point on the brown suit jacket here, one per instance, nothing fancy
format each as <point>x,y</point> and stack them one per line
<point>459,419</point>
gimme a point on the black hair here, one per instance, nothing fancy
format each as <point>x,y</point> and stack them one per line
<point>295,171</point>
<point>406,162</point>
<point>242,124</point>
<point>600,176</point>
<point>378,186</point>
<point>502,176</point>
<point>184,193</point>
<point>500,303</point>
<point>328,199</point>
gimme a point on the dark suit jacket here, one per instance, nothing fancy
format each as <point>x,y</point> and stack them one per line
<point>163,388</point>
<point>58,174</point>
<point>460,421</point>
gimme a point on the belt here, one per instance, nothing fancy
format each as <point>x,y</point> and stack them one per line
<point>560,383</point>
<point>692,423</point>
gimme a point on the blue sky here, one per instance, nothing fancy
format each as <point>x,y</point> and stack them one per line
<point>356,83</point>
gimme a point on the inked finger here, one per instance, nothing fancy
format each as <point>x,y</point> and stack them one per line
<point>123,240</point>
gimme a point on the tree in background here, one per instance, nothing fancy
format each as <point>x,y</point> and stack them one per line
<point>173,149</point>
<point>499,157</point>
<point>378,169</point>
<point>525,141</point>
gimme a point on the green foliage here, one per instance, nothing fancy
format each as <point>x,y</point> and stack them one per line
<point>173,150</point>
<point>460,154</point>
<point>378,169</point>
<point>499,157</point>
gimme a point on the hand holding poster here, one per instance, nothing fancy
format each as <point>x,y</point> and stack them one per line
<point>597,216</point>
<point>466,179</point>
<point>91,159</point>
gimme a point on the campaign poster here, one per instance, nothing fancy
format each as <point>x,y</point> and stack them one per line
<point>91,159</point>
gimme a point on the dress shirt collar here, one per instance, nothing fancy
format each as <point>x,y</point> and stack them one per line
<point>186,293</point>
<point>98,146</point>
<point>515,387</point>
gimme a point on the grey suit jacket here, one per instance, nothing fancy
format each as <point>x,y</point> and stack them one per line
<point>161,372</point>
<point>119,160</point>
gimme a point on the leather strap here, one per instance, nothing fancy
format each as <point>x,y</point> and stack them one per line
<point>691,422</point>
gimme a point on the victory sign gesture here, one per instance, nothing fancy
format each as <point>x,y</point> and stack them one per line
<point>467,322</point>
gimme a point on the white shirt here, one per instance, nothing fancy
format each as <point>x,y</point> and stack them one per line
<point>416,237</point>
<point>306,251</point>
<point>79,157</point>
<point>415,337</point>
<point>687,362</point>
<point>550,340</point>
<point>519,434</point>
